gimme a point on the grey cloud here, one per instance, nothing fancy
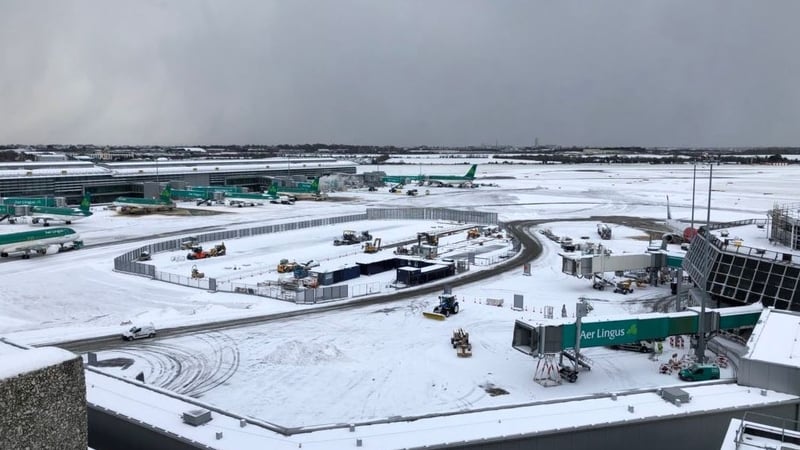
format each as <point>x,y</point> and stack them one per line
<point>719,73</point>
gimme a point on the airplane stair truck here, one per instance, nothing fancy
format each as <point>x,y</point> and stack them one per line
<point>448,304</point>
<point>373,247</point>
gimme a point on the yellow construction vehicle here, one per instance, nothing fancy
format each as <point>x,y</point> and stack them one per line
<point>196,273</point>
<point>473,233</point>
<point>285,266</point>
<point>624,287</point>
<point>218,250</point>
<point>460,342</point>
<point>373,247</point>
<point>430,239</point>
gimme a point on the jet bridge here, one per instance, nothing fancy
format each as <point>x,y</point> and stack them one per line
<point>580,265</point>
<point>554,336</point>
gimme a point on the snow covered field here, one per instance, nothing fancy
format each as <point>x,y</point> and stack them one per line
<point>382,361</point>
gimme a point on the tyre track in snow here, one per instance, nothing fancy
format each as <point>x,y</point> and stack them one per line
<point>189,370</point>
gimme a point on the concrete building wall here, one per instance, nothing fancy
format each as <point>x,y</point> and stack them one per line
<point>766,375</point>
<point>45,408</point>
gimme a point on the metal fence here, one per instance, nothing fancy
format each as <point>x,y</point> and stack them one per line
<point>358,290</point>
<point>128,262</point>
<point>199,283</point>
<point>455,215</point>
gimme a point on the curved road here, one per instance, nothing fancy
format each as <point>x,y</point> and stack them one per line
<point>531,249</point>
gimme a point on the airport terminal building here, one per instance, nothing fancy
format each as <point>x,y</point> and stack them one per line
<point>107,181</point>
<point>737,274</point>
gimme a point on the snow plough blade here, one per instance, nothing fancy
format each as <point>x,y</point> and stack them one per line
<point>433,315</point>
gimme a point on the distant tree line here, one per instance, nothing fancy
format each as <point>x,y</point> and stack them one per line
<point>556,158</point>
<point>14,156</point>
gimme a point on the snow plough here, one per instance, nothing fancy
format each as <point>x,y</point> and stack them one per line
<point>448,304</point>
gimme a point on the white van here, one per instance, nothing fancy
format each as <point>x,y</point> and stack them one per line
<point>138,332</point>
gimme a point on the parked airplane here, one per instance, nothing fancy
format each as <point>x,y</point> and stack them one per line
<point>679,231</point>
<point>38,241</point>
<point>144,205</point>
<point>47,214</point>
<point>434,179</point>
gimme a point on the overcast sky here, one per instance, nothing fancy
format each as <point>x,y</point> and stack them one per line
<point>608,72</point>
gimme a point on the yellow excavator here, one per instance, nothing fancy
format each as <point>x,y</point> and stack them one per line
<point>373,247</point>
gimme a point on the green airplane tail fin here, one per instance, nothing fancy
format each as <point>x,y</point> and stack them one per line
<point>471,171</point>
<point>315,185</point>
<point>86,202</point>
<point>273,190</point>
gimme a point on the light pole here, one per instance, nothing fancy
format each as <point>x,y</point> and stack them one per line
<point>694,179</point>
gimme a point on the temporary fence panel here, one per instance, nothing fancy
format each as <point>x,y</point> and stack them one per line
<point>454,215</point>
<point>358,290</point>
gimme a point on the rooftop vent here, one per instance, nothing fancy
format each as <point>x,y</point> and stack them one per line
<point>197,417</point>
<point>676,396</point>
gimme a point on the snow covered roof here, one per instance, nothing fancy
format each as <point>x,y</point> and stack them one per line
<point>29,359</point>
<point>754,432</point>
<point>149,405</point>
<point>776,338</point>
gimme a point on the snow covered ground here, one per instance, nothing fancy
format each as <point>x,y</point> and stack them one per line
<point>382,361</point>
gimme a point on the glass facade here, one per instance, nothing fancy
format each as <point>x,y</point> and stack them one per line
<point>743,275</point>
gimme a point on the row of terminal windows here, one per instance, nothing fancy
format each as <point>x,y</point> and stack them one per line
<point>745,279</point>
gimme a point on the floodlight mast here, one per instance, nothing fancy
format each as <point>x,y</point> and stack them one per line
<point>700,351</point>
